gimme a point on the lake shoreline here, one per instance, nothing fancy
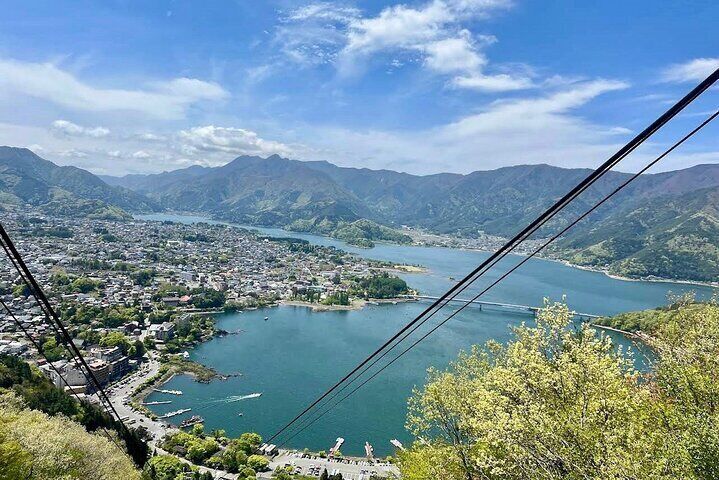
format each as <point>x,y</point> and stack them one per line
<point>604,271</point>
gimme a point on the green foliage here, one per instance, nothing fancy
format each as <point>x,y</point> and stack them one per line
<point>109,238</point>
<point>143,277</point>
<point>58,232</point>
<point>165,467</point>
<point>112,317</point>
<point>34,445</point>
<point>379,286</point>
<point>258,463</point>
<point>116,339</point>
<point>38,393</point>
<point>339,298</point>
<point>21,290</point>
<point>207,298</point>
<point>669,237</point>
<point>361,233</point>
<point>52,350</point>
<point>196,448</point>
<point>60,278</point>
<point>83,285</point>
<point>557,402</point>
<point>649,321</point>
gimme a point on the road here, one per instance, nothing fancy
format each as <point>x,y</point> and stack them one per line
<point>120,396</point>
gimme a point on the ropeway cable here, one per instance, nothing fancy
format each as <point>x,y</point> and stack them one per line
<point>531,228</point>
<point>45,305</point>
<point>40,350</point>
<point>54,326</point>
<point>526,259</point>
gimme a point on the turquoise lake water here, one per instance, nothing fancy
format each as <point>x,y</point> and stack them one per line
<point>297,354</point>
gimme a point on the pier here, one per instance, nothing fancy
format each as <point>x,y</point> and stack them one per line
<point>503,306</point>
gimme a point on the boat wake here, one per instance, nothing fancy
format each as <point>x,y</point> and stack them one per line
<point>237,398</point>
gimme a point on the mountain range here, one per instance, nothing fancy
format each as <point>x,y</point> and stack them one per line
<point>663,225</point>
<point>27,179</point>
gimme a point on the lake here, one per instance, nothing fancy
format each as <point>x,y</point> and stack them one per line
<point>297,354</point>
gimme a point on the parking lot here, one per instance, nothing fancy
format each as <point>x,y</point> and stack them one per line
<point>350,468</point>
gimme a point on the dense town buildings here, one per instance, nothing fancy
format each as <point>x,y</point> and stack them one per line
<point>162,273</point>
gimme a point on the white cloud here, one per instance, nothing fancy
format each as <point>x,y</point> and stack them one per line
<point>398,26</point>
<point>46,81</point>
<point>63,127</point>
<point>141,155</point>
<point>235,141</point>
<point>323,11</point>
<point>451,55</point>
<point>492,83</point>
<point>540,129</point>
<point>692,71</point>
<point>433,31</point>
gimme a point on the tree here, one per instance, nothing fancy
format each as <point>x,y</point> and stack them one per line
<point>687,369</point>
<point>35,445</point>
<point>21,290</point>
<point>116,339</point>
<point>165,467</point>
<point>143,277</point>
<point>83,285</point>
<point>137,349</point>
<point>247,473</point>
<point>247,442</point>
<point>553,403</point>
<point>53,351</point>
<point>258,463</point>
<point>198,429</point>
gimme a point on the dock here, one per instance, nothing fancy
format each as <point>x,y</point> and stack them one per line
<point>503,306</point>
<point>368,450</point>
<point>337,446</point>
<point>176,412</point>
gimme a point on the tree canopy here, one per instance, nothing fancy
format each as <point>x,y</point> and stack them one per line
<point>560,401</point>
<point>34,445</point>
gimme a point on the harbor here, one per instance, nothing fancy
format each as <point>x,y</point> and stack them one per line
<point>297,352</point>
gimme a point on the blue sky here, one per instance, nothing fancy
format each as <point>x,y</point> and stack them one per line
<point>420,86</point>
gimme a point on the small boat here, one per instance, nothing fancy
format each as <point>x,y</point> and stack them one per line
<point>397,443</point>
<point>240,414</point>
<point>193,420</point>
<point>267,318</point>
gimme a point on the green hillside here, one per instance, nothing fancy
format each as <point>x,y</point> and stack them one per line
<point>26,179</point>
<point>667,237</point>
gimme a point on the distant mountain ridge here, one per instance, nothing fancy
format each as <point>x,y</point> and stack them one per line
<point>25,178</point>
<point>663,225</point>
<point>317,196</point>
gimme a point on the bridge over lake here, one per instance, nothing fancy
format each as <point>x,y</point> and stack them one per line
<point>503,306</point>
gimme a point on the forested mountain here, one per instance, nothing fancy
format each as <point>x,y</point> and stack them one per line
<point>25,178</point>
<point>663,225</point>
<point>670,236</point>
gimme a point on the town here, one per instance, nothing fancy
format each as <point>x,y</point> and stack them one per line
<point>136,294</point>
<point>125,287</point>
